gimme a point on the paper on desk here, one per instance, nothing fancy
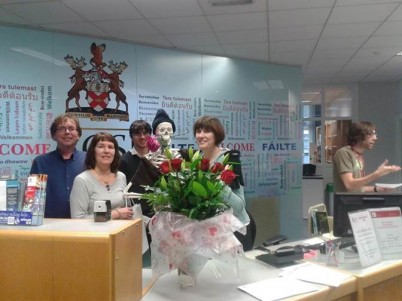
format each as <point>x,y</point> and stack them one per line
<point>313,241</point>
<point>391,186</point>
<point>316,273</point>
<point>277,288</point>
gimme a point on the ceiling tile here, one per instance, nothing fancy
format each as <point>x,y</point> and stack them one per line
<point>322,54</point>
<point>194,39</point>
<point>181,25</point>
<point>77,28</point>
<point>301,17</point>
<point>341,43</point>
<point>374,51</point>
<point>373,62</point>
<point>350,30</point>
<point>361,13</point>
<point>333,64</point>
<point>44,13</point>
<point>291,4</point>
<point>295,33</point>
<point>382,77</point>
<point>247,36</point>
<point>396,15</point>
<point>360,2</point>
<point>22,1</point>
<point>384,41</point>
<point>131,27</point>
<point>239,21</point>
<point>359,68</point>
<point>166,9</point>
<point>302,45</point>
<point>103,10</point>
<point>299,58</point>
<point>256,6</point>
<point>390,28</point>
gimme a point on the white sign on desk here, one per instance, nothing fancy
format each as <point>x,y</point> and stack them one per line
<point>388,229</point>
<point>378,234</point>
<point>364,234</point>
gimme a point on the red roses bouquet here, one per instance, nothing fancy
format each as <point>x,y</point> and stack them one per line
<point>193,223</point>
<point>191,188</point>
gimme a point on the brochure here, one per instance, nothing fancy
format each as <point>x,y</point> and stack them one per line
<point>388,228</point>
<point>378,234</point>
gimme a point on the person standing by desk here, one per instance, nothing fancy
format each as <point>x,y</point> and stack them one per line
<point>61,165</point>
<point>209,134</point>
<point>349,170</point>
<point>101,181</point>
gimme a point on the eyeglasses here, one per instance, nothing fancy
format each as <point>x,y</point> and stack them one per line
<point>64,129</point>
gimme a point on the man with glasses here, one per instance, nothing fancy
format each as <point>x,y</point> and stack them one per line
<point>61,165</point>
<point>349,169</point>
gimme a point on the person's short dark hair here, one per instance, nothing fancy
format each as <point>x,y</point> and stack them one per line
<point>162,116</point>
<point>140,126</point>
<point>211,124</point>
<point>61,119</point>
<point>358,131</point>
<point>90,160</point>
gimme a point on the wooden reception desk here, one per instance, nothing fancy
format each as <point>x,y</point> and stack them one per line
<point>66,259</point>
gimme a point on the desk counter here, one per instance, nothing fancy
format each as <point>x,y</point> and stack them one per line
<point>209,287</point>
<point>66,259</point>
<point>380,282</point>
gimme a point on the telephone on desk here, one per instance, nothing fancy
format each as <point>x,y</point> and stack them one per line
<point>282,255</point>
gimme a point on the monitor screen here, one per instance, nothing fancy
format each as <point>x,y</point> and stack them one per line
<point>348,202</point>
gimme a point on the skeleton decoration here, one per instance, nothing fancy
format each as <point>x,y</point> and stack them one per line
<point>163,128</point>
<point>164,133</point>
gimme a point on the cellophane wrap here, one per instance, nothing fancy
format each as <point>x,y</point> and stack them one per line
<point>187,244</point>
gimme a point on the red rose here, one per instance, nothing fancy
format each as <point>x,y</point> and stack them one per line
<point>228,176</point>
<point>218,167</point>
<point>165,167</point>
<point>204,164</point>
<point>176,164</point>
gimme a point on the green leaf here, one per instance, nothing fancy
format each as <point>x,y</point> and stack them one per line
<point>199,190</point>
<point>225,159</point>
<point>212,187</point>
<point>190,153</point>
<point>168,153</point>
<point>163,182</point>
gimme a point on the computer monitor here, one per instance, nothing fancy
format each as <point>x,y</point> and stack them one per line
<point>348,202</point>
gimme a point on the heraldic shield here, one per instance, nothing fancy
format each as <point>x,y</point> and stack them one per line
<point>97,84</point>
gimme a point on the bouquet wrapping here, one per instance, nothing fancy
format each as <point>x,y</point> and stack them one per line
<point>187,244</point>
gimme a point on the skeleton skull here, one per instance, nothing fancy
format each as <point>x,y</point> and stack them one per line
<point>164,133</point>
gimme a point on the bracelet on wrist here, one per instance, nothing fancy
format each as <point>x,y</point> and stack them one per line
<point>375,189</point>
<point>119,214</point>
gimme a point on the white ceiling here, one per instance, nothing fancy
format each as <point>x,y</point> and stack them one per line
<point>335,41</point>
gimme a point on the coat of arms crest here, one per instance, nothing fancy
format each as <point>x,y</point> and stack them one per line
<point>98,85</point>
